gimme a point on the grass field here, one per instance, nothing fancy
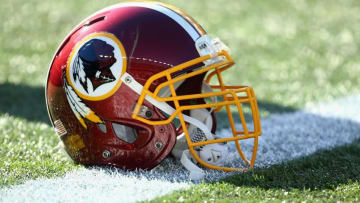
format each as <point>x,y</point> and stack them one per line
<point>294,53</point>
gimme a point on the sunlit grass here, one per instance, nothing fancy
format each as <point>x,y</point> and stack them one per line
<point>29,150</point>
<point>292,52</point>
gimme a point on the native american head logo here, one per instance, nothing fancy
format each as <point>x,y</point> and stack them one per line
<point>93,72</point>
<point>95,66</point>
<point>93,63</point>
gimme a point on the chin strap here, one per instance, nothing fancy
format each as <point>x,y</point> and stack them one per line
<point>196,173</point>
<point>201,122</point>
<point>214,154</point>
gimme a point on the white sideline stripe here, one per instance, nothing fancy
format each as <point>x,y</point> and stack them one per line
<point>285,137</point>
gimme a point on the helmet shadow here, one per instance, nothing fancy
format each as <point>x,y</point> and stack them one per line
<point>24,101</point>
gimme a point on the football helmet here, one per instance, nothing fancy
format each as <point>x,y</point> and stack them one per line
<point>138,80</point>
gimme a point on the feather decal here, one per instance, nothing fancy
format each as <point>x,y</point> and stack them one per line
<point>79,73</point>
<point>79,108</point>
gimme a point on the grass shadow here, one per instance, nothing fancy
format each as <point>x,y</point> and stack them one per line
<point>325,169</point>
<point>265,108</point>
<point>24,101</point>
<point>29,103</point>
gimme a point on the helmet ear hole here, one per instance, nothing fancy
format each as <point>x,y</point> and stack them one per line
<point>124,132</point>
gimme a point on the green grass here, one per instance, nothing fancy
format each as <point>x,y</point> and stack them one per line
<point>292,52</point>
<point>28,150</point>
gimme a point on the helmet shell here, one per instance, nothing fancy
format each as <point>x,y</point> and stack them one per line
<point>142,39</point>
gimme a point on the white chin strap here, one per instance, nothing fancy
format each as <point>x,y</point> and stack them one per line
<point>213,154</point>
<point>200,121</point>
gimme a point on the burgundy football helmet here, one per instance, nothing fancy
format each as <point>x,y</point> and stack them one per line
<point>136,78</point>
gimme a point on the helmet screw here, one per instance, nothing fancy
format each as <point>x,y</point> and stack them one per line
<point>158,145</point>
<point>128,79</point>
<point>106,154</point>
<point>148,114</point>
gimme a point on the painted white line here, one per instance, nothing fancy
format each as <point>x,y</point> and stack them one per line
<point>90,186</point>
<point>285,137</point>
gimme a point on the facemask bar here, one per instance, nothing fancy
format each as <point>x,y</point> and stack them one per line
<point>217,61</point>
<point>240,100</point>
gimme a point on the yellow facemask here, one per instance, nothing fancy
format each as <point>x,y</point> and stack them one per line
<point>215,55</point>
